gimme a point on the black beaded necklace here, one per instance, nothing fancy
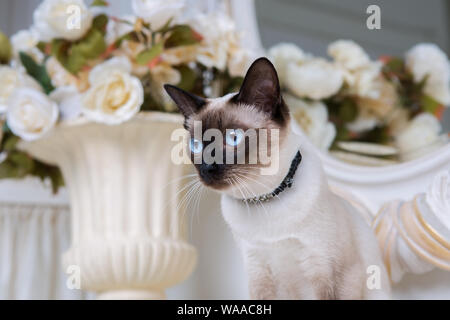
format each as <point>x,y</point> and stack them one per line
<point>286,183</point>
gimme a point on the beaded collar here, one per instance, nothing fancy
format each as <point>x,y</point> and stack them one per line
<point>286,183</point>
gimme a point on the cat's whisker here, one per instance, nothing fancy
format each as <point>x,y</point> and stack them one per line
<point>179,179</point>
<point>186,199</point>
<point>265,186</point>
<point>240,191</point>
<point>175,196</point>
<point>244,185</point>
<point>194,198</point>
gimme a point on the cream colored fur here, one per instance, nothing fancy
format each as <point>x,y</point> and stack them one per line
<point>308,243</point>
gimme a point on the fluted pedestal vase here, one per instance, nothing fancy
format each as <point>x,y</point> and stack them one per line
<point>128,233</point>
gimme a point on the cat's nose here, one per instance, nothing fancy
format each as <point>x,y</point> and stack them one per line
<point>209,172</point>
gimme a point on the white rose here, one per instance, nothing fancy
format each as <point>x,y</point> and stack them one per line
<point>69,102</point>
<point>213,50</point>
<point>157,12</point>
<point>11,79</point>
<point>365,121</point>
<point>58,74</point>
<point>282,54</point>
<point>218,42</point>
<point>115,95</point>
<point>31,114</point>
<point>315,79</point>
<point>117,28</point>
<point>313,119</point>
<point>66,19</point>
<point>365,82</point>
<point>26,41</point>
<point>162,74</point>
<point>180,55</point>
<point>427,59</point>
<point>348,54</point>
<point>381,99</point>
<point>419,137</point>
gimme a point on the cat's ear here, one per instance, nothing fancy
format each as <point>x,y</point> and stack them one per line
<point>188,104</point>
<point>261,87</point>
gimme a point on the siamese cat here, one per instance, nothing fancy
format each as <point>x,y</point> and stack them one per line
<point>298,238</point>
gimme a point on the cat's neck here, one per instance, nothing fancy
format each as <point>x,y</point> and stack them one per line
<point>284,214</point>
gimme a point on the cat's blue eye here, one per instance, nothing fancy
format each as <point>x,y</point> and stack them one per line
<point>234,137</point>
<point>196,146</point>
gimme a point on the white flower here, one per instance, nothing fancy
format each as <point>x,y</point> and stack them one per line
<point>27,41</point>
<point>162,74</point>
<point>117,28</point>
<point>282,54</point>
<point>360,73</point>
<point>157,12</point>
<point>348,54</point>
<point>313,119</point>
<point>365,121</point>
<point>365,82</point>
<point>11,79</point>
<point>315,79</point>
<point>131,49</point>
<point>397,120</point>
<point>69,102</point>
<point>31,114</point>
<point>380,100</point>
<point>240,61</point>
<point>115,95</point>
<point>58,74</point>
<point>213,51</point>
<point>180,55</point>
<point>427,60</point>
<point>420,136</point>
<point>66,19</point>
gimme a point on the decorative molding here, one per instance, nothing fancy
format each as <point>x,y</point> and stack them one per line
<point>414,235</point>
<point>349,173</point>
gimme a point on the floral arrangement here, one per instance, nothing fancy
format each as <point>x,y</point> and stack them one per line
<point>367,112</point>
<point>76,61</point>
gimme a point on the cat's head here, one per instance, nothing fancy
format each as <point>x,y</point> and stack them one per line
<point>227,127</point>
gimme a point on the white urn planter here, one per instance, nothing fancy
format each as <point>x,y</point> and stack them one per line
<point>128,232</point>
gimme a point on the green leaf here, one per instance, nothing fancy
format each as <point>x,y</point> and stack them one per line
<point>148,55</point>
<point>74,56</point>
<point>38,72</point>
<point>394,66</point>
<point>56,179</point>
<point>5,49</point>
<point>21,160</point>
<point>166,28</point>
<point>428,104</point>
<point>188,78</point>
<point>100,22</point>
<point>5,127</point>
<point>16,165</point>
<point>9,143</point>
<point>72,63</point>
<point>42,46</point>
<point>7,170</point>
<point>75,62</point>
<point>348,110</point>
<point>91,46</point>
<point>99,3</point>
<point>181,35</point>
